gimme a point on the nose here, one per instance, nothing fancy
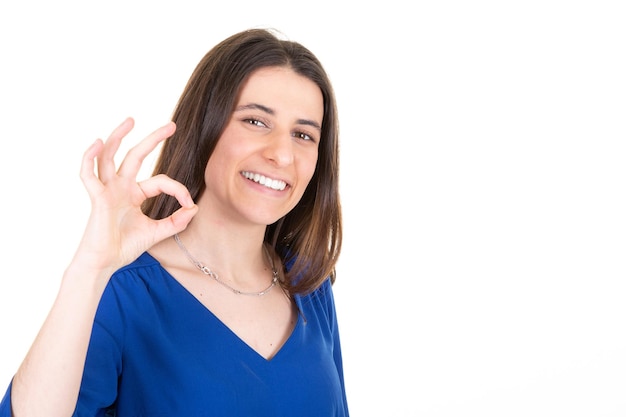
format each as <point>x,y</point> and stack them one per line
<point>279,148</point>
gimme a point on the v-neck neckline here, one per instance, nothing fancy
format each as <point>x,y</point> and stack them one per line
<point>227,330</point>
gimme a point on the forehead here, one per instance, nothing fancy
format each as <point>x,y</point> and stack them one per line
<point>285,91</point>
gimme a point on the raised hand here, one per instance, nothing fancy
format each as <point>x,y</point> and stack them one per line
<point>117,231</point>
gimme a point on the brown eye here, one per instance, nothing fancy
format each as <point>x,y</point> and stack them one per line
<point>255,122</point>
<point>303,136</point>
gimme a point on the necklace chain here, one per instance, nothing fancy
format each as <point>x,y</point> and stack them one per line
<point>207,271</point>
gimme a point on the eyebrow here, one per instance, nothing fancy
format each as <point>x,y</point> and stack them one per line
<point>265,109</point>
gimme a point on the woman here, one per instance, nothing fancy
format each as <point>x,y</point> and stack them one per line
<point>206,289</point>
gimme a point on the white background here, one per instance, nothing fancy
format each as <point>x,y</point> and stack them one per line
<point>483,178</point>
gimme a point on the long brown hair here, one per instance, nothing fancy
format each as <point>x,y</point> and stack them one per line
<point>307,239</point>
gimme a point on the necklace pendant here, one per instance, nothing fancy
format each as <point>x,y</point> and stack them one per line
<point>205,270</point>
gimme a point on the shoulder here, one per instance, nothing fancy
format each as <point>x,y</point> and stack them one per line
<point>132,293</point>
<point>324,291</point>
<point>321,299</point>
<point>142,271</point>
<point>134,285</point>
<point>144,262</point>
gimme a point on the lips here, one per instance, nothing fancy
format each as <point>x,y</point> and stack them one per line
<point>274,184</point>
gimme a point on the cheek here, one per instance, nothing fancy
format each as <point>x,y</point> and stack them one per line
<point>310,173</point>
<point>222,158</point>
<point>307,167</point>
<point>306,172</point>
<point>212,168</point>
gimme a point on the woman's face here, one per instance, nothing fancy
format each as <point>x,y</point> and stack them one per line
<point>267,154</point>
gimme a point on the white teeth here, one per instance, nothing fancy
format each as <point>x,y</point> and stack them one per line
<point>263,180</point>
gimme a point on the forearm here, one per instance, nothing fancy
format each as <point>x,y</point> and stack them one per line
<point>48,381</point>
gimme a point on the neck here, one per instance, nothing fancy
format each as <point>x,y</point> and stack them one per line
<point>235,254</point>
<point>208,271</point>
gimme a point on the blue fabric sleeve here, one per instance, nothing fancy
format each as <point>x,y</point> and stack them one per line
<point>5,405</point>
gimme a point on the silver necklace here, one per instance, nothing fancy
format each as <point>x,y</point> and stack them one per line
<point>207,271</point>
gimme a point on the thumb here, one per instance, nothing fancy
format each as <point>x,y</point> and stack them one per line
<point>176,222</point>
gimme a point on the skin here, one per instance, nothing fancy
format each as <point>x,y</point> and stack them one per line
<point>274,131</point>
<point>225,227</point>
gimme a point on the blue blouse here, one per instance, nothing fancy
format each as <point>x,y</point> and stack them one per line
<point>155,351</point>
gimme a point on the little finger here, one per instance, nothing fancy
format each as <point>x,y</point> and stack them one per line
<point>87,175</point>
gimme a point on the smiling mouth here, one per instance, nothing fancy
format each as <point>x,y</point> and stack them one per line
<point>265,181</point>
